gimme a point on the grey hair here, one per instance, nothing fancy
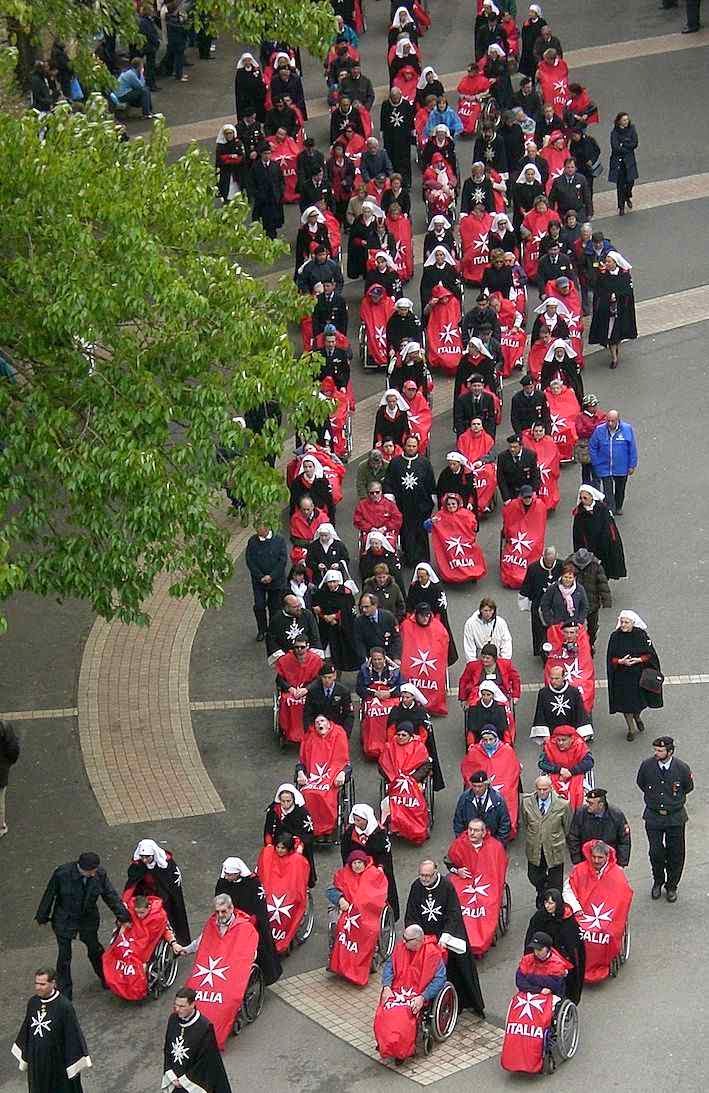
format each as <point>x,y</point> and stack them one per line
<point>223,900</point>
<point>413,931</point>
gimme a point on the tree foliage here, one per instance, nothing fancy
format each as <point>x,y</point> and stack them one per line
<point>136,335</point>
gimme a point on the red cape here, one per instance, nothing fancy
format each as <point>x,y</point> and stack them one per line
<point>528,1018</point>
<point>285,882</point>
<point>124,958</point>
<point>444,341</point>
<point>563,409</point>
<point>456,554</point>
<point>605,906</point>
<point>286,153</point>
<point>554,158</point>
<point>324,757</point>
<point>549,463</point>
<point>512,344</point>
<point>357,930</point>
<point>537,223</point>
<point>380,515</point>
<point>578,668</point>
<point>469,110</point>
<point>406,80</point>
<point>373,721</point>
<point>554,84</point>
<point>400,227</point>
<point>480,894</point>
<point>407,804</point>
<point>475,447</point>
<point>523,531</point>
<point>375,317</point>
<point>394,1023</point>
<point>504,769</point>
<point>474,243</point>
<point>290,709</point>
<point>420,420</point>
<point>424,660</point>
<point>509,680</point>
<point>571,790</point>
<point>221,971</point>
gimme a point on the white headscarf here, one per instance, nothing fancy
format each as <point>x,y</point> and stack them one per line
<point>595,494</point>
<point>441,128</point>
<point>389,260</point>
<point>497,694</point>
<point>397,16</point>
<point>379,539</point>
<point>561,308</point>
<point>635,619</point>
<point>281,56</point>
<point>221,135</point>
<point>448,260</point>
<point>619,260</point>
<point>332,575</point>
<point>559,343</point>
<point>536,9</point>
<point>150,848</point>
<point>298,798</point>
<point>400,400</point>
<point>404,41</point>
<point>365,812</point>
<point>460,458</point>
<point>422,80</point>
<point>495,48</point>
<point>235,865</point>
<point>432,576</point>
<point>404,301</point>
<point>329,531</point>
<point>319,472</point>
<point>241,63</point>
<point>439,221</point>
<point>501,218</point>
<point>477,343</point>
<point>412,689</point>
<point>408,348</point>
<point>308,211</point>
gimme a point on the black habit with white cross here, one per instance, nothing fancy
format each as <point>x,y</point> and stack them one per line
<point>50,1046</point>
<point>437,911</point>
<point>562,707</point>
<point>191,1053</point>
<point>412,483</point>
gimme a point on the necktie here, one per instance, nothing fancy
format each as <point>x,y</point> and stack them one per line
<point>543,807</point>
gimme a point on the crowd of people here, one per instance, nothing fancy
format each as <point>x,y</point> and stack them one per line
<point>518,231</point>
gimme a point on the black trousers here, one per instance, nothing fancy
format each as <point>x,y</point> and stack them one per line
<point>539,630</point>
<point>666,849</point>
<point>265,597</point>
<point>592,626</point>
<point>623,187</point>
<point>614,489</point>
<point>545,876</point>
<point>94,951</point>
<point>693,13</point>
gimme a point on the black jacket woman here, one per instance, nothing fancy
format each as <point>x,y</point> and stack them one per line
<point>555,918</point>
<point>630,652</point>
<point>595,528</point>
<point>623,167</point>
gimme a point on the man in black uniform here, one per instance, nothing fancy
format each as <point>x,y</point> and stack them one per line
<point>475,401</point>
<point>529,406</point>
<point>410,481</point>
<point>50,1045</point>
<point>291,622</point>
<point>328,697</point>
<point>396,122</point>
<point>597,820</point>
<point>540,576</point>
<point>376,628</point>
<point>69,902</point>
<point>192,1059</point>
<point>516,467</point>
<point>560,703</point>
<point>665,782</point>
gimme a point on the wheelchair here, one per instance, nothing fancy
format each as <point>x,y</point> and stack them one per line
<point>346,798</point>
<point>561,1039</point>
<point>307,923</point>
<point>280,738</point>
<point>385,942</point>
<point>252,1002</point>
<point>439,1018</point>
<point>162,969</point>
<point>618,961</point>
<point>428,792</point>
<point>504,914</point>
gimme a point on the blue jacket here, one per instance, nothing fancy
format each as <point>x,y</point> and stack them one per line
<point>128,81</point>
<point>444,117</point>
<point>613,453</point>
<point>497,818</point>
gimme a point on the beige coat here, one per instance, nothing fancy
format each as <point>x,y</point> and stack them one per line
<point>547,832</point>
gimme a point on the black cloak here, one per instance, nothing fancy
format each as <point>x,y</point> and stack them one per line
<point>167,884</point>
<point>596,530</point>
<point>296,822</point>
<point>565,934</point>
<point>395,428</point>
<point>477,716</point>
<point>51,1047</point>
<point>248,896</point>
<point>437,911</point>
<point>434,595</point>
<point>462,484</point>
<point>411,482</point>
<point>339,637</point>
<point>625,695</point>
<point>378,845</point>
<point>433,275</point>
<point>613,310</point>
<point>191,1051</point>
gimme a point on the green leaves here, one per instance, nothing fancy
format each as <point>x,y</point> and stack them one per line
<point>136,335</point>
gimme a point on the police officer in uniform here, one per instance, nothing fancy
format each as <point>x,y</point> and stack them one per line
<point>596,820</point>
<point>328,697</point>
<point>665,782</point>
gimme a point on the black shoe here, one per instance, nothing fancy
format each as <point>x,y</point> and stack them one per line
<point>638,722</point>
<point>613,364</point>
<point>260,636</point>
<point>630,735</point>
<point>618,512</point>
<point>656,891</point>
<point>629,202</point>
<point>687,30</point>
<point>671,895</point>
<point>621,211</point>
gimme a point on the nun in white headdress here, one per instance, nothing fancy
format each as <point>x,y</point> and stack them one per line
<point>613,319</point>
<point>426,588</point>
<point>531,29</point>
<point>439,269</point>
<point>310,481</point>
<point>229,163</point>
<point>594,527</point>
<point>334,609</point>
<point>249,88</point>
<point>246,892</point>
<point>630,652</point>
<point>490,709</point>
<point>327,551</point>
<point>364,832</point>
<point>154,872</point>
<point>413,707</point>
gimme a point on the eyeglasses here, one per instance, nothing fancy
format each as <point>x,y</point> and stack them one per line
<point>375,493</point>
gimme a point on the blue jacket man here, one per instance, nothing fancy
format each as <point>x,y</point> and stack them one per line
<point>614,455</point>
<point>480,802</point>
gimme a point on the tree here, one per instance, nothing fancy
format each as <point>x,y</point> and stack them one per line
<point>134,335</point>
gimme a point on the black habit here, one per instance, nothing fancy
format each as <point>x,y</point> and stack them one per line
<point>378,845</point>
<point>596,530</point>
<point>625,695</point>
<point>50,1046</point>
<point>191,1052</point>
<point>411,481</point>
<point>564,932</point>
<point>296,822</point>
<point>167,884</point>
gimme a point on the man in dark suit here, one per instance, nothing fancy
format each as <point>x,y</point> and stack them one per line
<point>328,697</point>
<point>330,308</point>
<point>665,782</point>
<point>268,189</point>
<point>70,904</point>
<point>517,467</point>
<point>376,628</point>
<point>554,264</point>
<point>570,191</point>
<point>476,402</point>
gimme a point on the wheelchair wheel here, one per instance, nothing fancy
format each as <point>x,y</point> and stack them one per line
<point>252,1003</point>
<point>345,800</point>
<point>348,439</point>
<point>625,944</point>
<point>445,1013</point>
<point>307,923</point>
<point>430,795</point>
<point>276,727</point>
<point>566,1025</point>
<point>362,339</point>
<point>162,969</point>
<point>503,919</point>
<point>386,940</point>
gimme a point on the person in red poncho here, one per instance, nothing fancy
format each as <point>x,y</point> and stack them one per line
<point>547,452</point>
<point>472,90</point>
<point>565,757</point>
<point>413,975</point>
<point>126,958</point>
<point>444,340</point>
<point>419,413</point>
<point>568,647</point>
<point>599,894</point>
<point>284,873</point>
<point>456,553</point>
<point>541,980</point>
<point>356,899</point>
<point>321,770</point>
<point>405,763</point>
<point>400,227</point>
<point>493,667</point>
<point>524,523</point>
<point>478,868</point>
<point>424,656</point>
<point>532,230</point>
<point>296,669</point>
<point>563,410</point>
<point>375,311</point>
<point>499,761</point>
<point>553,79</point>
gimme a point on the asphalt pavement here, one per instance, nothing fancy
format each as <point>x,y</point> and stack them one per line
<point>645,1030</point>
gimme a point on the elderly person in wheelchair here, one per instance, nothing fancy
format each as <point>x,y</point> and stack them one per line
<point>415,995</point>
<point>324,777</point>
<point>361,923</point>
<point>141,960</point>
<point>542,1027</point>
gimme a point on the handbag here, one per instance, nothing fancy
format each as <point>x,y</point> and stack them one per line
<point>76,92</point>
<point>651,680</point>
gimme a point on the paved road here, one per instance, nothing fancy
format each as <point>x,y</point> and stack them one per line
<point>659,999</point>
